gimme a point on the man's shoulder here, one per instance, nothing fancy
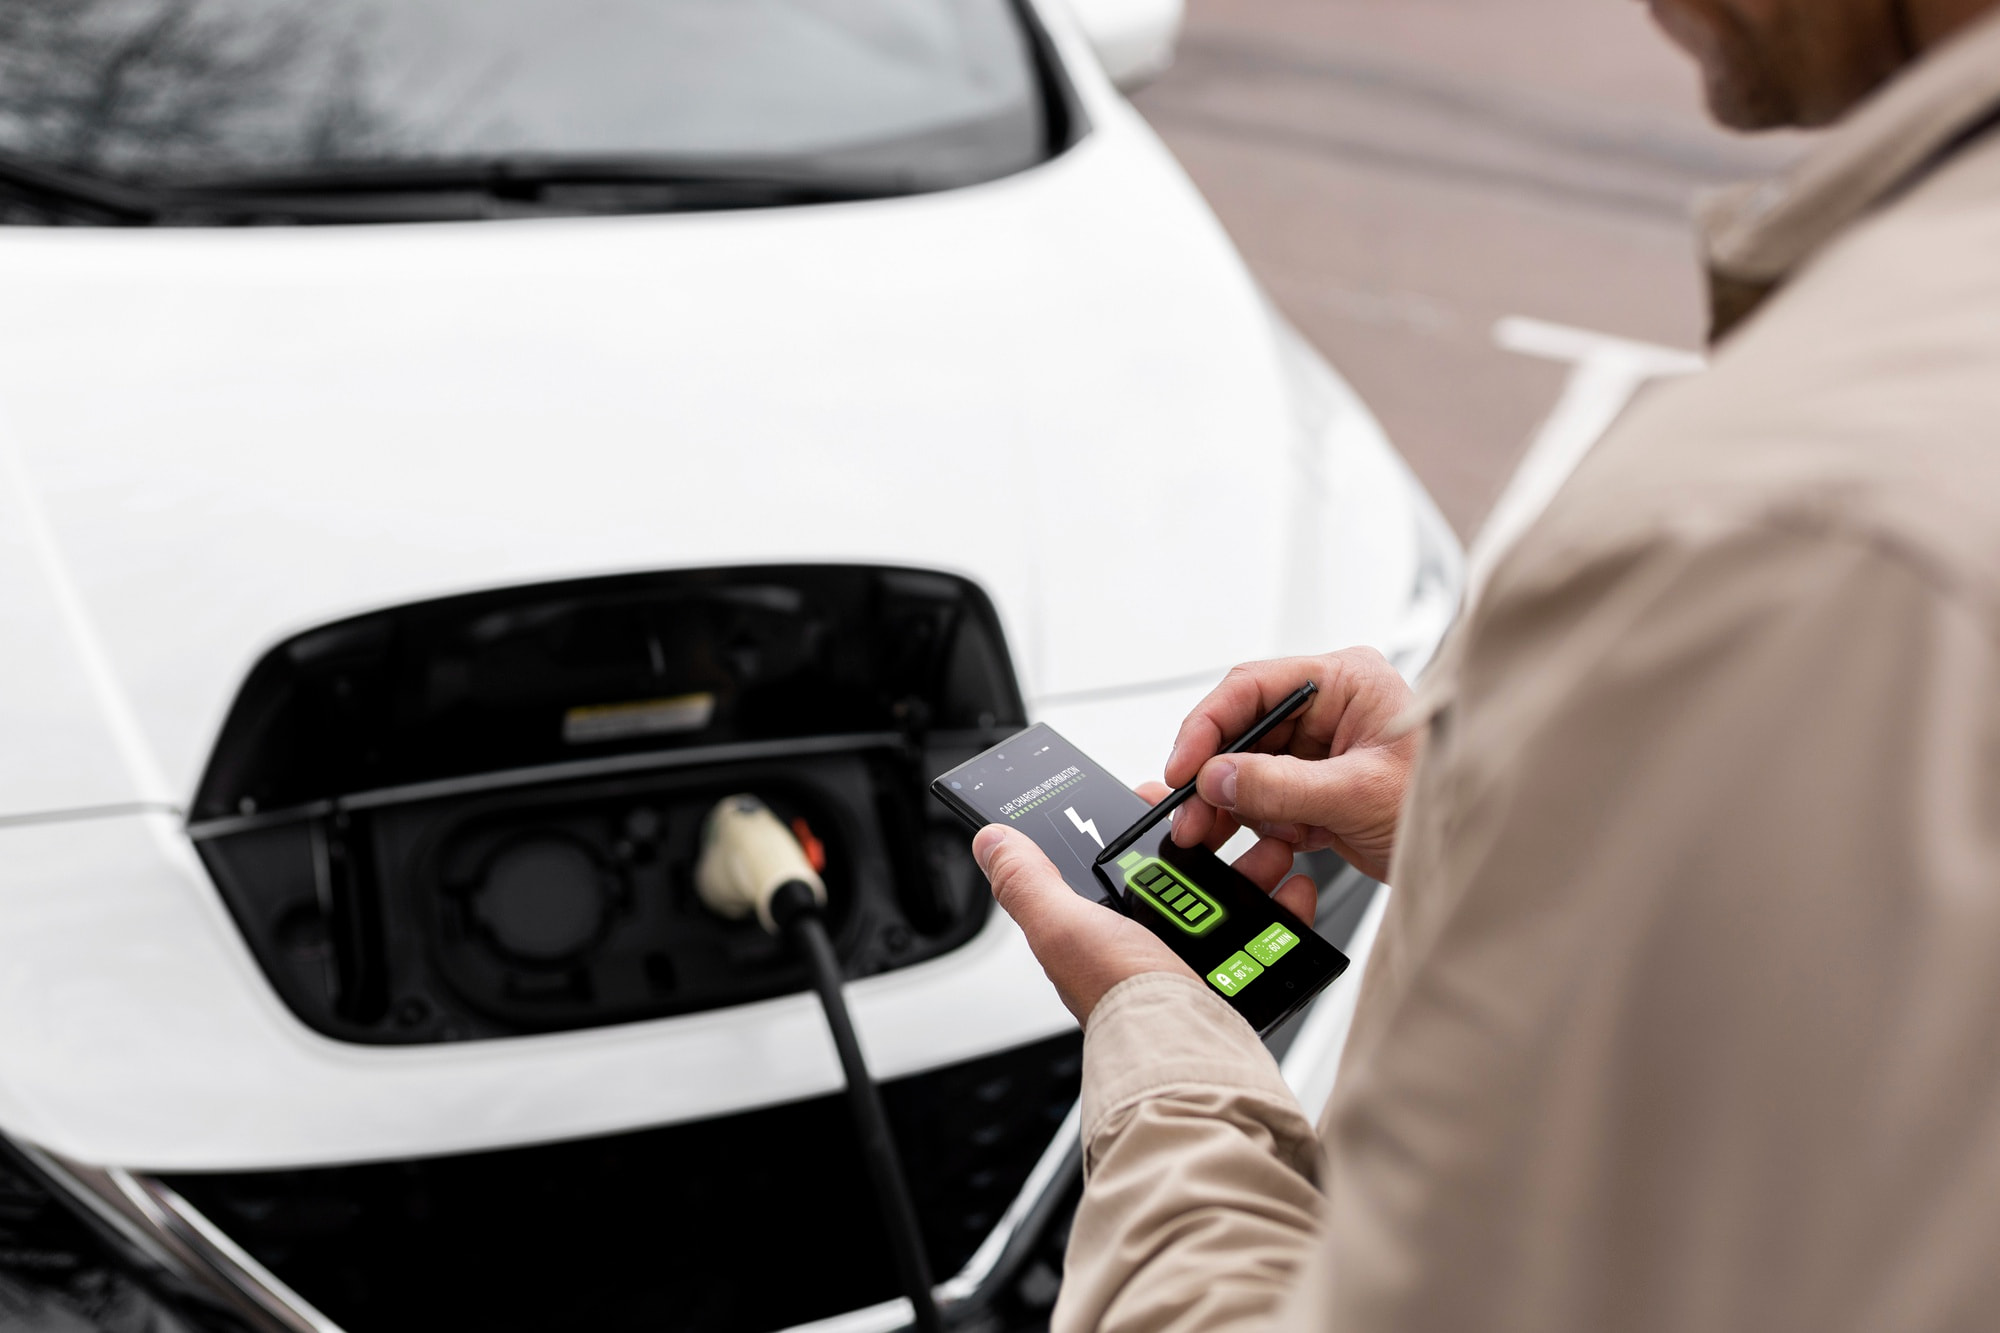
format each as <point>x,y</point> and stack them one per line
<point>1863,400</point>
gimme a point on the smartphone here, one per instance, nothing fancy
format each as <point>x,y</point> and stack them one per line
<point>1259,957</point>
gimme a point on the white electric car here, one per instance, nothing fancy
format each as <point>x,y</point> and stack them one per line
<point>446,445</point>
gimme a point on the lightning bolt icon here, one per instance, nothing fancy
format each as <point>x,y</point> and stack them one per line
<point>1085,826</point>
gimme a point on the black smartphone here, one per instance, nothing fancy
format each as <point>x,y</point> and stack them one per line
<point>1255,954</point>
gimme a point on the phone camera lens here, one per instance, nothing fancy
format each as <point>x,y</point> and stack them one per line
<point>955,786</point>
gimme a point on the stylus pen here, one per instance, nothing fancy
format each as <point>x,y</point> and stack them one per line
<point>1293,702</point>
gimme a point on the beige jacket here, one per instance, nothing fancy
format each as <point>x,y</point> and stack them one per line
<point>1686,1011</point>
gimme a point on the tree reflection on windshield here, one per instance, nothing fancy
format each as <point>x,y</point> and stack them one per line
<point>85,86</point>
<point>171,92</point>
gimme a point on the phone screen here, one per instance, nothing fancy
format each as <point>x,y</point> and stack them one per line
<point>1259,957</point>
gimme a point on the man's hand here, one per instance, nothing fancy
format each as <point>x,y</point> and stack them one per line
<point>1085,948</point>
<point>1331,777</point>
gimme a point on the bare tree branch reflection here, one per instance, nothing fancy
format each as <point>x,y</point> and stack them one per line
<point>268,112</point>
<point>134,88</point>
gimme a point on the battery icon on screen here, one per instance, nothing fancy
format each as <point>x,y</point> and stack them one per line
<point>1178,900</point>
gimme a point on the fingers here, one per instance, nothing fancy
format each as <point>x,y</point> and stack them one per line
<point>1360,693</point>
<point>1233,707</point>
<point>1198,822</point>
<point>1299,896</point>
<point>1230,709</point>
<point>1350,792</point>
<point>1271,861</point>
<point>1026,883</point>
<point>1193,822</point>
<point>1265,864</point>
<point>1216,828</point>
<point>1085,949</point>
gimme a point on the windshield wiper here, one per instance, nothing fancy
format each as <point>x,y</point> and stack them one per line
<point>77,191</point>
<point>436,191</point>
<point>529,181</point>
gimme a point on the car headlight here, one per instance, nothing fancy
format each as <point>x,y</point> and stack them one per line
<point>1369,558</point>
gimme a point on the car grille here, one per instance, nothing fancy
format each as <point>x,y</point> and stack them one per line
<point>741,1224</point>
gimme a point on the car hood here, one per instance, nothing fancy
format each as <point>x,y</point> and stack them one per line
<point>1063,385</point>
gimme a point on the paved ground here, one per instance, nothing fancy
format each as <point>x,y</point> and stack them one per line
<point>1403,173</point>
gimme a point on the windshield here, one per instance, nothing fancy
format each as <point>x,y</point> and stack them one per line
<point>206,94</point>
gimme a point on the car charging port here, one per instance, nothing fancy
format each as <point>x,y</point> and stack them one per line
<point>545,913</point>
<point>480,817</point>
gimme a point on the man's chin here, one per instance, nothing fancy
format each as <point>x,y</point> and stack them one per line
<point>1739,95</point>
<point>1749,115</point>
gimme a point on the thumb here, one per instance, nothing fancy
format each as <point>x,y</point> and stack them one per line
<point>1336,793</point>
<point>1025,882</point>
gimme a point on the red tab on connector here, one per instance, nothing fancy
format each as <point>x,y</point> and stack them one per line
<point>814,849</point>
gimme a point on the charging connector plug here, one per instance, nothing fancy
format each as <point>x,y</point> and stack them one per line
<point>747,856</point>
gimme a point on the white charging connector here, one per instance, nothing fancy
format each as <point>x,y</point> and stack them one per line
<point>746,857</point>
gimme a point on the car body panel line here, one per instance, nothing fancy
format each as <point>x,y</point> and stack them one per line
<point>82,812</point>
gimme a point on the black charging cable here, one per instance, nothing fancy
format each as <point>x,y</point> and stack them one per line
<point>752,865</point>
<point>796,910</point>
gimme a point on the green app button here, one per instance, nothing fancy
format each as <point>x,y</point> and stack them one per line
<point>1177,899</point>
<point>1239,971</point>
<point>1273,944</point>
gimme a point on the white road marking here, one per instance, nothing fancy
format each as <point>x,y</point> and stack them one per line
<point>1607,373</point>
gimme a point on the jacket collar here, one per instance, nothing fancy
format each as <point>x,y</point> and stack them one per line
<point>1756,236</point>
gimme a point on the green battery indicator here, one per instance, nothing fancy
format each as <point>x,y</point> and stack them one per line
<point>1179,901</point>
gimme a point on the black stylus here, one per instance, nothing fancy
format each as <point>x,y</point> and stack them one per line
<point>1293,702</point>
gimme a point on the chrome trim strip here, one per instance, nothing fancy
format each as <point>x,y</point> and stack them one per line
<point>168,1230</point>
<point>93,1190</point>
<point>233,1262</point>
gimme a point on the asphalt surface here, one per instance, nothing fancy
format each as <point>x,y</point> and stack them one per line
<point>1402,174</point>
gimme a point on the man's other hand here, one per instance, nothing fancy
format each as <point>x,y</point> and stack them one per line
<point>1333,776</point>
<point>1086,948</point>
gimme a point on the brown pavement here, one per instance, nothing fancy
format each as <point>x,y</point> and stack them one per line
<point>1403,173</point>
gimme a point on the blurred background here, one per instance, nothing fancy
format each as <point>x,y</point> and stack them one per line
<point>1401,174</point>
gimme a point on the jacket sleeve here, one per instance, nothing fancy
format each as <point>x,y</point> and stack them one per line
<point>1201,1169</point>
<point>1683,1014</point>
